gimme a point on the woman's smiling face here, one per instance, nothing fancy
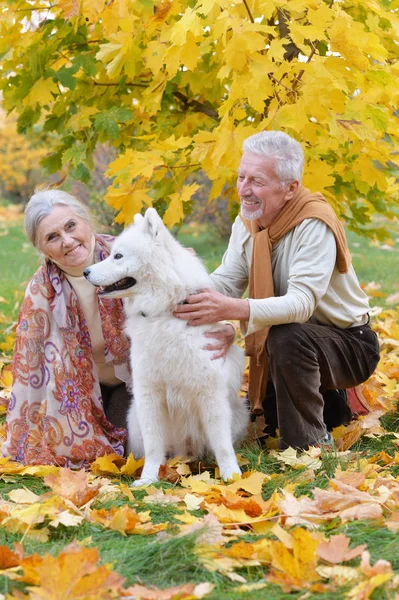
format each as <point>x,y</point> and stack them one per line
<point>64,237</point>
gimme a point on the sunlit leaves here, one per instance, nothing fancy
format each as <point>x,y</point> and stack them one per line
<point>15,149</point>
<point>325,73</point>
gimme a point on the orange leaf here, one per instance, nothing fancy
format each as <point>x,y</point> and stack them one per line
<point>123,519</point>
<point>337,550</point>
<point>72,574</point>
<point>187,590</point>
<point>166,473</point>
<point>8,558</point>
<point>381,566</point>
<point>73,485</point>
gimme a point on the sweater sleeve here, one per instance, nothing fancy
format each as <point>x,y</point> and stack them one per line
<point>231,277</point>
<point>312,257</point>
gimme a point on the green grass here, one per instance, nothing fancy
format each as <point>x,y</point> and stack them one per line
<point>19,261</point>
<point>376,263</point>
<point>206,242</point>
<point>164,560</point>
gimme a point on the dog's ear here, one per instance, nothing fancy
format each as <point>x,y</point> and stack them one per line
<point>138,219</point>
<point>153,223</point>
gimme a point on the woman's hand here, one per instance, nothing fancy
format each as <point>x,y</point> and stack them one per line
<point>221,340</point>
<point>209,306</point>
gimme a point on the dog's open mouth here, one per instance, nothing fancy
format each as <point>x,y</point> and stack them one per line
<point>122,284</point>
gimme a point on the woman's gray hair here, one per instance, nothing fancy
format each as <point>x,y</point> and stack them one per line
<point>287,153</point>
<point>42,203</point>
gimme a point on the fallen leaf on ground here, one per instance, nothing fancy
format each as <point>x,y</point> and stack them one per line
<point>380,566</point>
<point>73,485</point>
<point>295,568</point>
<point>336,549</point>
<point>132,465</point>
<point>187,590</point>
<point>8,558</point>
<point>106,464</point>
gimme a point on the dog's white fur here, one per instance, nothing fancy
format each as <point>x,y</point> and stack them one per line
<point>183,400</point>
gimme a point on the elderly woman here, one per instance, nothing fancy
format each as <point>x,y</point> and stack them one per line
<point>71,360</point>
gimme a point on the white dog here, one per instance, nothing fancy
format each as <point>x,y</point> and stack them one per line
<point>183,401</point>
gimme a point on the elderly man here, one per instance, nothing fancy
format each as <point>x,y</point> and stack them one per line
<point>305,321</point>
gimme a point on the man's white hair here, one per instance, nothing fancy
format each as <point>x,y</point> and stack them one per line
<point>42,203</point>
<point>281,147</point>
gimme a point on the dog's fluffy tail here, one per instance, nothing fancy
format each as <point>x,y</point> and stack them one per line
<point>232,371</point>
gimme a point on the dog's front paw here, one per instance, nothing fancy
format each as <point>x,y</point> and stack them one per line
<point>144,481</point>
<point>227,472</point>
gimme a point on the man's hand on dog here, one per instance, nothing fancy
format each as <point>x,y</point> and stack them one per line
<point>209,306</point>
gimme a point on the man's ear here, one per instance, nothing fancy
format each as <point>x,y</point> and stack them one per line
<point>291,189</point>
<point>153,223</point>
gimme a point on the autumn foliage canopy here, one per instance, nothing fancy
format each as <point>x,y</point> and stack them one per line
<point>175,86</point>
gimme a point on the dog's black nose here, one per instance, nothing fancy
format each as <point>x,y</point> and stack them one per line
<point>86,272</point>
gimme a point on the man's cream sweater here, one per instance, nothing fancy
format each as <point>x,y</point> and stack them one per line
<point>307,283</point>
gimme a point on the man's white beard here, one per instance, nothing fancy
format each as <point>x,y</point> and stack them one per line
<point>250,215</point>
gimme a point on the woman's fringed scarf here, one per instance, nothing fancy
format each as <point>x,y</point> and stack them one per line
<point>56,414</point>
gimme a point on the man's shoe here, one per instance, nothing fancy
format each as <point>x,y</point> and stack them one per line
<point>326,442</point>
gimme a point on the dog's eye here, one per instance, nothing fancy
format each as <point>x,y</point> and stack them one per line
<point>118,256</point>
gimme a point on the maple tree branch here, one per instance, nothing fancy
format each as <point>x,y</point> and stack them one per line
<point>179,166</point>
<point>127,83</point>
<point>86,43</point>
<point>278,81</point>
<point>248,11</point>
<point>33,8</point>
<point>346,122</point>
<point>279,101</point>
<point>311,55</point>
<point>197,106</point>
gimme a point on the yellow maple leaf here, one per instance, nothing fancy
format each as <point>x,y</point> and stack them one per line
<point>106,464</point>
<point>192,502</point>
<point>132,465</point>
<point>296,568</point>
<point>67,519</point>
<point>36,512</point>
<point>81,119</point>
<point>250,482</point>
<point>6,378</point>
<point>364,589</point>
<point>45,89</point>
<point>174,213</point>
<point>23,496</point>
<point>190,21</point>
<point>118,53</point>
<point>318,175</point>
<point>8,345</point>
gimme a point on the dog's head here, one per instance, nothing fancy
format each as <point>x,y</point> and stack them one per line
<point>131,258</point>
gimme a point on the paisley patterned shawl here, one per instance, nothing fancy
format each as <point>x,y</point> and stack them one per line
<point>56,415</point>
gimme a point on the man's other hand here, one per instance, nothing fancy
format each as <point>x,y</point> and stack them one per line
<point>220,340</point>
<point>209,306</point>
